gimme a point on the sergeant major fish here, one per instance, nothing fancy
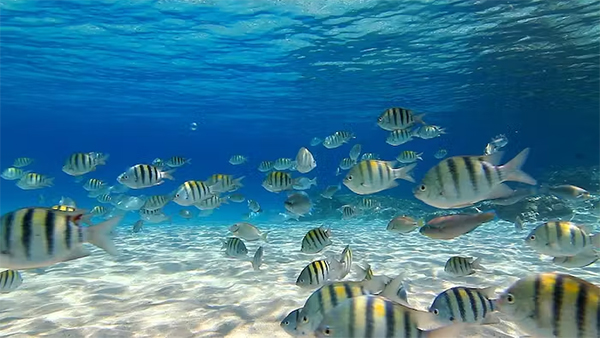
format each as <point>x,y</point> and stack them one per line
<point>562,238</point>
<point>258,258</point>
<point>305,162</point>
<point>465,305</point>
<point>316,240</point>
<point>462,266</point>
<point>10,280</point>
<point>144,176</point>
<point>235,247</point>
<point>371,176</point>
<point>398,118</point>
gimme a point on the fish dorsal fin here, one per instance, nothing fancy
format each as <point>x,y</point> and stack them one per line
<point>489,292</point>
<point>494,158</point>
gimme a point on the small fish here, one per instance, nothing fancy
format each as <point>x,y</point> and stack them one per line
<point>220,183</point>
<point>178,161</point>
<point>258,258</point>
<point>369,156</point>
<point>330,191</point>
<point>371,176</point>
<point>452,226</point>
<point>338,139</point>
<point>235,247</point>
<point>347,163</point>
<point>238,159</point>
<point>143,176</point>
<point>355,152</point>
<point>237,198</point>
<point>40,237</point>
<point>184,213</point>
<point>282,163</point>
<point>440,154</point>
<point>403,224</point>
<point>157,201</point>
<point>248,232</point>
<point>305,162</point>
<point>398,118</point>
<point>22,162</point>
<point>128,203</point>
<point>315,141</point>
<point>368,204</point>
<point>499,141</point>
<point>94,184</point>
<point>409,156</point>
<point>278,181</point>
<point>348,211</point>
<point>154,216</point>
<point>376,316</point>
<point>104,198</point>
<point>289,323</point>
<point>465,305</point>
<point>67,201</point>
<point>314,274</point>
<point>316,240</point>
<point>137,226</point>
<point>304,183</point>
<point>265,166</point>
<point>562,238</point>
<point>213,202</point>
<point>346,262</point>
<point>192,192</point>
<point>580,260</point>
<point>399,137</point>
<point>464,180</point>
<point>159,163</point>
<point>12,174</point>
<point>254,206</point>
<point>462,266</point>
<point>99,210</point>
<point>82,163</point>
<point>553,305</point>
<point>10,280</point>
<point>298,204</point>
<point>429,132</point>
<point>32,181</point>
<point>568,191</point>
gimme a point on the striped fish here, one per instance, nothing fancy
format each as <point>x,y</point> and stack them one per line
<point>235,247</point>
<point>368,204</point>
<point>348,211</point>
<point>375,316</point>
<point>278,181</point>
<point>465,305</point>
<point>398,137</point>
<point>82,163</point>
<point>368,271</point>
<point>428,132</point>
<point>265,166</point>
<point>144,176</point>
<point>316,240</point>
<point>440,154</point>
<point>94,184</point>
<point>157,202</point>
<point>314,274</point>
<point>154,216</point>
<point>211,202</point>
<point>257,259</point>
<point>220,183</point>
<point>178,161</point>
<point>10,280</point>
<point>35,181</point>
<point>562,238</point>
<point>305,161</point>
<point>462,266</point>
<point>290,322</point>
<point>282,163</point>
<point>238,159</point>
<point>398,118</point>
<point>104,198</point>
<point>409,156</point>
<point>461,181</point>
<point>553,305</point>
<point>39,237</point>
<point>347,163</point>
<point>99,210</point>
<point>371,176</point>
<point>337,139</point>
<point>369,156</point>
<point>192,192</point>
<point>346,261</point>
<point>12,174</point>
<point>22,162</point>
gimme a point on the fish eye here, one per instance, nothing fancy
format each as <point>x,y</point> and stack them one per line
<point>532,237</point>
<point>305,319</point>
<point>422,187</point>
<point>436,311</point>
<point>510,298</point>
<point>349,178</point>
<point>124,177</point>
<point>327,331</point>
<point>451,319</point>
<point>286,323</point>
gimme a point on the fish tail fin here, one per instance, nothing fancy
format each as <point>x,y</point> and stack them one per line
<point>595,240</point>
<point>314,181</point>
<point>49,182</point>
<point>405,173</point>
<point>421,222</point>
<point>512,170</point>
<point>238,182</point>
<point>419,119</point>
<point>477,263</point>
<point>100,234</point>
<point>168,174</point>
<point>263,236</point>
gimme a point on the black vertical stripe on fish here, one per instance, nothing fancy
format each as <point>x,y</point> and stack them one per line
<point>455,178</point>
<point>484,304</point>
<point>348,291</point>
<point>310,273</point>
<point>8,224</point>
<point>488,174</point>
<point>68,233</point>
<point>471,172</point>
<point>547,229</point>
<point>438,174</point>
<point>557,304</point>
<point>79,233</point>
<point>584,238</point>
<point>460,304</point>
<point>352,320</point>
<point>573,235</point>
<point>580,310</point>
<point>27,234</point>
<point>559,233</point>
<point>473,303</point>
<point>50,223</point>
<point>389,320</point>
<point>369,329</point>
<point>407,326</point>
<point>320,299</point>
<point>499,174</point>
<point>537,285</point>
<point>332,295</point>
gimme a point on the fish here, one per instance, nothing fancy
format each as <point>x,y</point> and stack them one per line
<point>371,176</point>
<point>159,163</point>
<point>304,183</point>
<point>330,191</point>
<point>238,159</point>
<point>398,118</point>
<point>462,266</point>
<point>298,204</point>
<point>338,139</point>
<point>219,183</point>
<point>104,198</point>
<point>40,237</point>
<point>409,156</point>
<point>32,181</point>
<point>355,152</point>
<point>10,280</point>
<point>316,273</point>
<point>429,132</point>
<point>403,224</point>
<point>254,206</point>
<point>368,204</point>
<point>562,238</point>
<point>489,149</point>
<point>399,137</point>
<point>178,161</point>
<point>154,216</point>
<point>137,226</point>
<point>248,232</point>
<point>440,154</point>
<point>278,181</point>
<point>157,201</point>
<point>82,163</point>
<point>369,156</point>
<point>580,260</point>
<point>282,163</point>
<point>347,163</point>
<point>289,323</point>
<point>315,141</point>
<point>499,141</point>
<point>12,173</point>
<point>519,223</point>
<point>462,181</point>
<point>22,162</point>
<point>553,305</point>
<point>67,201</point>
<point>184,213</point>
<point>258,258</point>
<point>305,162</point>
<point>237,198</point>
<point>376,316</point>
<point>127,203</point>
<point>346,262</point>
<point>142,176</point>
<point>192,192</point>
<point>213,202</point>
<point>568,191</point>
<point>235,247</point>
<point>99,210</point>
<point>348,211</point>
<point>265,166</point>
<point>94,184</point>
<point>465,305</point>
<point>316,240</point>
<point>452,226</point>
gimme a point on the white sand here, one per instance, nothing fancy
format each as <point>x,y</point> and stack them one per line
<point>174,281</point>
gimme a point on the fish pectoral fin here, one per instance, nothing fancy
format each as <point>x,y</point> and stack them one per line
<point>490,320</point>
<point>79,252</point>
<point>500,191</point>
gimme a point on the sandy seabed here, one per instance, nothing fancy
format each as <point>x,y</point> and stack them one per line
<point>174,280</point>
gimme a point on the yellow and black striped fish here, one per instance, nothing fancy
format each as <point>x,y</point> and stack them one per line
<point>99,210</point>
<point>465,305</point>
<point>400,136</point>
<point>316,240</point>
<point>238,159</point>
<point>562,239</point>
<point>192,192</point>
<point>35,181</point>
<point>278,181</point>
<point>315,273</point>
<point>290,322</point>
<point>10,280</point>
<point>398,118</point>
<point>82,163</point>
<point>104,198</point>
<point>220,183</point>
<point>157,202</point>
<point>265,166</point>
<point>211,202</point>
<point>348,211</point>
<point>235,247</point>
<point>178,161</point>
<point>144,176</point>
<point>371,176</point>
<point>409,156</point>
<point>22,162</point>
<point>346,261</point>
<point>94,184</point>
<point>553,305</point>
<point>375,316</point>
<point>337,139</point>
<point>12,174</point>
<point>39,237</point>
<point>462,266</point>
